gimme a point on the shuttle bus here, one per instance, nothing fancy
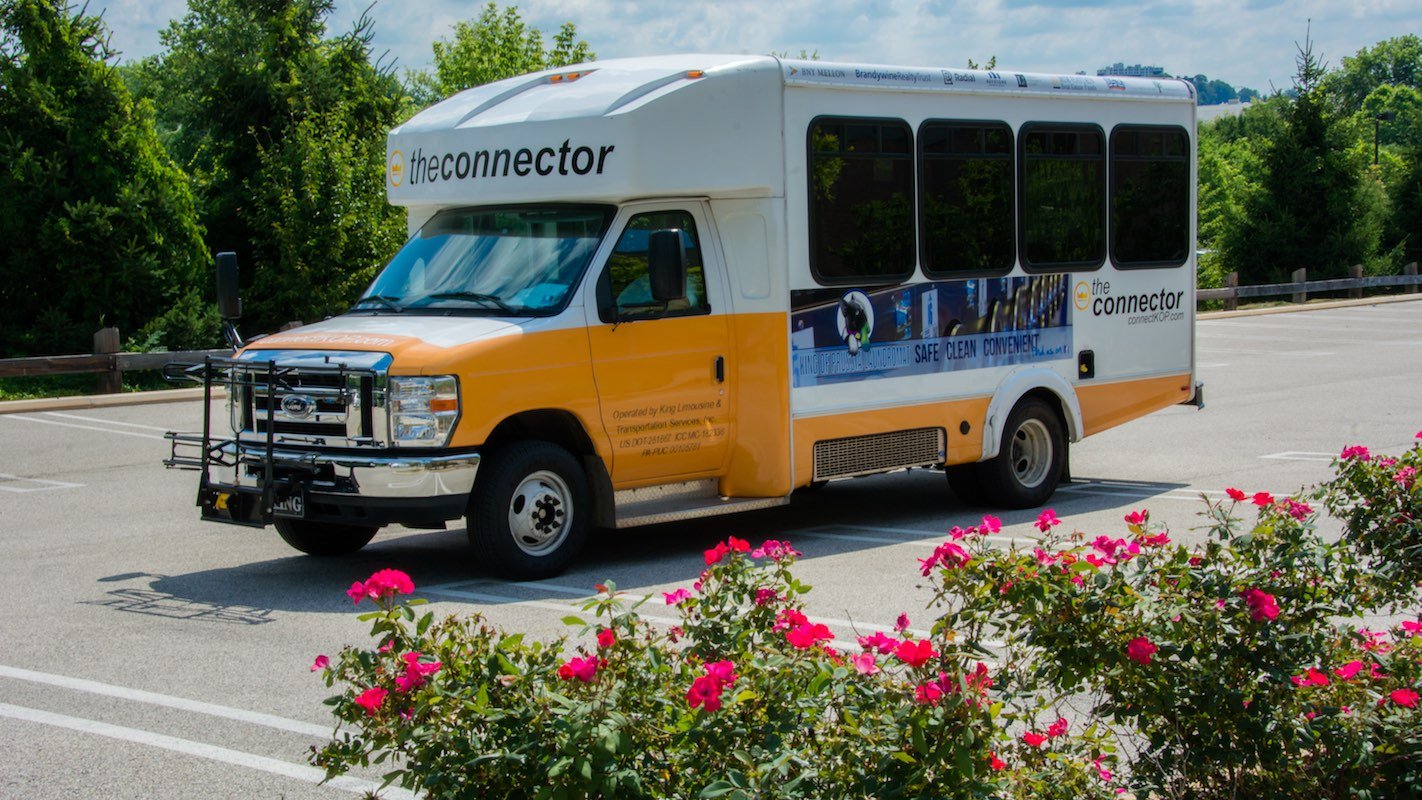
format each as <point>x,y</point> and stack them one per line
<point>650,289</point>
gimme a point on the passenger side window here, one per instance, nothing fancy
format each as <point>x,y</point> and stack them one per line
<point>628,268</point>
<point>1150,196</point>
<point>966,198</point>
<point>1063,188</point>
<point>861,200</point>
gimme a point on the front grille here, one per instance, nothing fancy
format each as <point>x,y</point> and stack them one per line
<point>880,452</point>
<point>318,403</point>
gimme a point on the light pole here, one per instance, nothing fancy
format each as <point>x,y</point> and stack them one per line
<point>1378,120</point>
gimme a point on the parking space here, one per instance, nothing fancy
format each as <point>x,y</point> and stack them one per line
<point>150,653</point>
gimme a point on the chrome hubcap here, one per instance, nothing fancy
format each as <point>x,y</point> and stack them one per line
<point>539,513</point>
<point>1031,453</point>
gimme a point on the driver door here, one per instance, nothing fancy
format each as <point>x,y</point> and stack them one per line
<point>662,370</point>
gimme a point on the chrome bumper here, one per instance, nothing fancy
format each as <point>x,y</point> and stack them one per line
<point>392,477</point>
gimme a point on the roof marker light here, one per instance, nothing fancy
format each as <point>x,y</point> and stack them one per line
<point>694,74</point>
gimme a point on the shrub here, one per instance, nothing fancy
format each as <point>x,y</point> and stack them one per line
<point>1078,667</point>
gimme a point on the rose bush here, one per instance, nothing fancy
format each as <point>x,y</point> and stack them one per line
<point>1082,666</point>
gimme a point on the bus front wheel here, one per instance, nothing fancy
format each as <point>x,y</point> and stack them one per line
<point>530,510</point>
<point>1030,460</point>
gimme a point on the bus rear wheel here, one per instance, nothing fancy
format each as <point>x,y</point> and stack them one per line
<point>324,538</point>
<point>1030,459</point>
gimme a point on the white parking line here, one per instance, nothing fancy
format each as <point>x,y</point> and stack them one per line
<point>1301,455</point>
<point>26,418</point>
<point>44,485</point>
<point>1270,353</point>
<point>225,755</point>
<point>166,701</point>
<point>105,421</point>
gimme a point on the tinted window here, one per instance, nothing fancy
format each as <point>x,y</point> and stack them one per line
<point>965,197</point>
<point>1150,196</point>
<point>1063,213</point>
<point>628,267</point>
<point>861,200</point>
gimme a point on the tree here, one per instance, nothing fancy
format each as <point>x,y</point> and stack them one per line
<point>1396,61</point>
<point>498,45</point>
<point>97,225</point>
<point>1304,211</point>
<point>283,131</point>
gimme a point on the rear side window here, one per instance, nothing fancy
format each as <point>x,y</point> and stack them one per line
<point>966,198</point>
<point>861,200</point>
<point>1063,186</point>
<point>1150,196</point>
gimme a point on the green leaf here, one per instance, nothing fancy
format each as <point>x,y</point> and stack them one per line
<point>574,620</point>
<point>717,789</point>
<point>510,642</point>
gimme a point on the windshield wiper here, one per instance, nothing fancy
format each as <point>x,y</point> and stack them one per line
<point>385,300</point>
<point>479,297</point>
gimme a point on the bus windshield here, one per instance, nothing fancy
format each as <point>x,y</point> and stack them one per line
<point>520,261</point>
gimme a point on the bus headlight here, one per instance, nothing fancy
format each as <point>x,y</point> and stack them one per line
<point>423,410</point>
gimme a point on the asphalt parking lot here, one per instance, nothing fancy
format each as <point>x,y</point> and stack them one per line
<point>150,655</point>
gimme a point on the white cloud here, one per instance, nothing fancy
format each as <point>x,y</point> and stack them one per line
<point>1247,44</point>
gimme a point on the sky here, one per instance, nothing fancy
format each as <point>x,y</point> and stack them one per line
<point>1243,42</point>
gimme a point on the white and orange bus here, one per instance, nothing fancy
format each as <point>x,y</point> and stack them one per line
<point>650,289</point>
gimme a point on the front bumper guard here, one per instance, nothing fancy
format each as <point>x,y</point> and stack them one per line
<point>255,482</point>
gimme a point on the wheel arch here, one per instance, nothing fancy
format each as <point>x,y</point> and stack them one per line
<point>563,428</point>
<point>1045,384</point>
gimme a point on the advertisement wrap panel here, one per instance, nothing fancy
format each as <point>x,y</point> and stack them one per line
<point>851,335</point>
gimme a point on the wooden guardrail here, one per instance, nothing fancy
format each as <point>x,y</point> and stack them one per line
<point>106,361</point>
<point>1300,287</point>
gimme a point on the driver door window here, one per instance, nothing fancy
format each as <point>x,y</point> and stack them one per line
<point>627,268</point>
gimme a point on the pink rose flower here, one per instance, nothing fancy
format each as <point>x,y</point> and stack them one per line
<point>915,653</point>
<point>1411,628</point>
<point>1347,671</point>
<point>584,669</point>
<point>1352,452</point>
<point>883,644</point>
<point>1314,677</point>
<point>1262,606</point>
<point>991,524</point>
<point>805,636</point>
<point>865,664</point>
<point>902,623</point>
<point>1047,520</point>
<point>1140,650</point>
<point>321,662</point>
<point>371,700</point>
<point>927,694</point>
<point>383,584</point>
<point>1033,739</point>
<point>1057,728</point>
<point>1235,494</point>
<point>1406,698</point>
<point>674,598</point>
<point>1137,518</point>
<point>606,638</point>
<point>1262,499</point>
<point>997,764</point>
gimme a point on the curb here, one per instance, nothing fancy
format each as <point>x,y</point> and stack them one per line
<point>107,400</point>
<point>181,395</point>
<point>1289,309</point>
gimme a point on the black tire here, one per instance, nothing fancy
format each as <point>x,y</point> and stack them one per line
<point>966,482</point>
<point>1030,460</point>
<point>530,511</point>
<point>324,538</point>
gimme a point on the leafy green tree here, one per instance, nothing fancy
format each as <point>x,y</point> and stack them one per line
<point>1304,211</point>
<point>1396,62</point>
<point>97,225</point>
<point>497,45</point>
<point>283,131</point>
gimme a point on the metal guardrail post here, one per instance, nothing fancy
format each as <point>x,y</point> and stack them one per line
<point>1300,278</point>
<point>1411,269</point>
<point>106,340</point>
<point>1356,273</point>
<point>1231,303</point>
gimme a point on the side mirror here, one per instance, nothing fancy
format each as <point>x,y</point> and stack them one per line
<point>229,302</point>
<point>666,265</point>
